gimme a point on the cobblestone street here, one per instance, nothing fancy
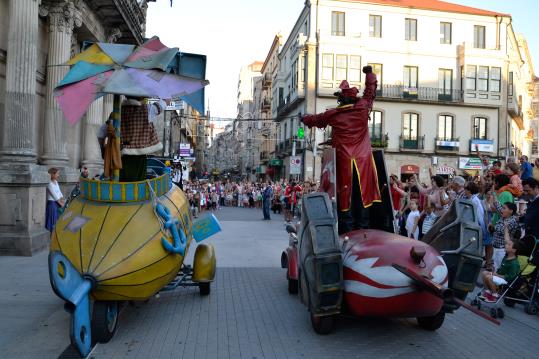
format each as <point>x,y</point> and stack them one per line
<point>249,314</point>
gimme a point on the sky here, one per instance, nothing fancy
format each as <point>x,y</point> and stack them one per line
<point>234,33</point>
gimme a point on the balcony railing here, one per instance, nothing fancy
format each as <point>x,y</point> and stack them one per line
<point>264,156</point>
<point>379,141</point>
<point>447,144</point>
<point>419,93</point>
<point>266,81</point>
<point>285,147</point>
<point>411,142</point>
<point>266,104</point>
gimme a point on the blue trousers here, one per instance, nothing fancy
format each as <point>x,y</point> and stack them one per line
<point>266,208</point>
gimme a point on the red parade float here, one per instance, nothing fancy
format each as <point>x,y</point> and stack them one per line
<point>344,254</point>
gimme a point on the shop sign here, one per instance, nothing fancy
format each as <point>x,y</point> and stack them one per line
<point>470,163</point>
<point>409,169</point>
<point>445,170</point>
<point>275,162</point>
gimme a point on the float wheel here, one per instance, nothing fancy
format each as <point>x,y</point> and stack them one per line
<point>433,322</point>
<point>292,286</point>
<point>531,308</point>
<point>322,324</point>
<point>204,288</point>
<point>104,320</point>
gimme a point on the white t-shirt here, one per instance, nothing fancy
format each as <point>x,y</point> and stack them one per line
<point>53,191</point>
<point>410,221</point>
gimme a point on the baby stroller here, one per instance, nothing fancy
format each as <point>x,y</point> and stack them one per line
<point>523,289</point>
<point>276,205</point>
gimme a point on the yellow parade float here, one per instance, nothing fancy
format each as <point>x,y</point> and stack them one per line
<point>116,241</point>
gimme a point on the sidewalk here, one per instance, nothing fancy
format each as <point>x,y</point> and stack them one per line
<point>249,314</point>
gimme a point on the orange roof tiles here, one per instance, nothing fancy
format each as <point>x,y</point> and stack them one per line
<point>434,5</point>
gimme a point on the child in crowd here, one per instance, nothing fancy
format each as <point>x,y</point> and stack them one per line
<point>507,272</point>
<point>412,221</point>
<point>515,187</point>
<point>428,220</point>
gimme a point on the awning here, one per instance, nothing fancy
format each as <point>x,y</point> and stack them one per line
<point>410,169</point>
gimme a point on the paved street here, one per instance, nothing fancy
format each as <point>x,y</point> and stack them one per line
<point>249,314</point>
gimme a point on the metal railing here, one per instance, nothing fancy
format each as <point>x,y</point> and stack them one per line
<point>419,93</point>
<point>379,141</point>
<point>407,142</point>
<point>266,80</point>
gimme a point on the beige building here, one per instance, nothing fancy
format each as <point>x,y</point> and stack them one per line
<point>34,37</point>
<point>452,79</point>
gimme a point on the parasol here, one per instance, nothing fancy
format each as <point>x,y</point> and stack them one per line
<point>121,69</point>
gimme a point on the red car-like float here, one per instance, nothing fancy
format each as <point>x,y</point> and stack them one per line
<point>375,272</point>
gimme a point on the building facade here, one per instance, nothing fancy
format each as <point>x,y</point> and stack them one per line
<point>452,80</point>
<point>35,37</point>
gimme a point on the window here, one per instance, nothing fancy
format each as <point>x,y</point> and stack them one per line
<point>410,29</point>
<point>341,65</point>
<point>482,78</point>
<point>354,70</point>
<point>409,128</point>
<point>327,67</point>
<point>410,77</point>
<point>480,128</point>
<point>337,23</point>
<point>445,127</point>
<point>445,33</point>
<point>479,37</point>
<point>294,76</point>
<point>375,26</point>
<point>377,69</point>
<point>471,72</point>
<point>445,78</point>
<point>495,79</point>
<point>510,84</point>
<point>375,125</point>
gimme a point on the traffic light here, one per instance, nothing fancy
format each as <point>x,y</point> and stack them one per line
<point>301,133</point>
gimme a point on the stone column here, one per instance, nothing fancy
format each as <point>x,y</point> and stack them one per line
<point>17,129</point>
<point>22,182</point>
<point>91,156</point>
<point>62,17</point>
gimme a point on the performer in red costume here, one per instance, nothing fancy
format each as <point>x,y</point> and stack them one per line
<point>357,181</point>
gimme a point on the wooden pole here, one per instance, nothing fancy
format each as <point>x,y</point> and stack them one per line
<point>116,119</point>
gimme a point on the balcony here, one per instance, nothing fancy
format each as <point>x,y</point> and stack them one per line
<point>264,156</point>
<point>432,94</point>
<point>446,144</point>
<point>514,107</point>
<point>379,141</point>
<point>412,143</point>
<point>266,81</point>
<point>285,147</point>
<point>127,15</point>
<point>266,105</point>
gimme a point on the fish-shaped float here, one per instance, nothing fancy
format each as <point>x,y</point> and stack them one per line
<point>120,242</point>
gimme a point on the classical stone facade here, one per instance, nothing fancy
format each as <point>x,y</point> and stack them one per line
<point>36,39</point>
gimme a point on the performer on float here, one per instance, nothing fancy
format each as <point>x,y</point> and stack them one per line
<point>357,181</point>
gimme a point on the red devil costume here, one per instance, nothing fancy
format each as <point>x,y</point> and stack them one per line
<point>352,144</point>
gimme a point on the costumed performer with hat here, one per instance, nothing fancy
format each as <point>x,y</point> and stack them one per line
<point>357,181</point>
